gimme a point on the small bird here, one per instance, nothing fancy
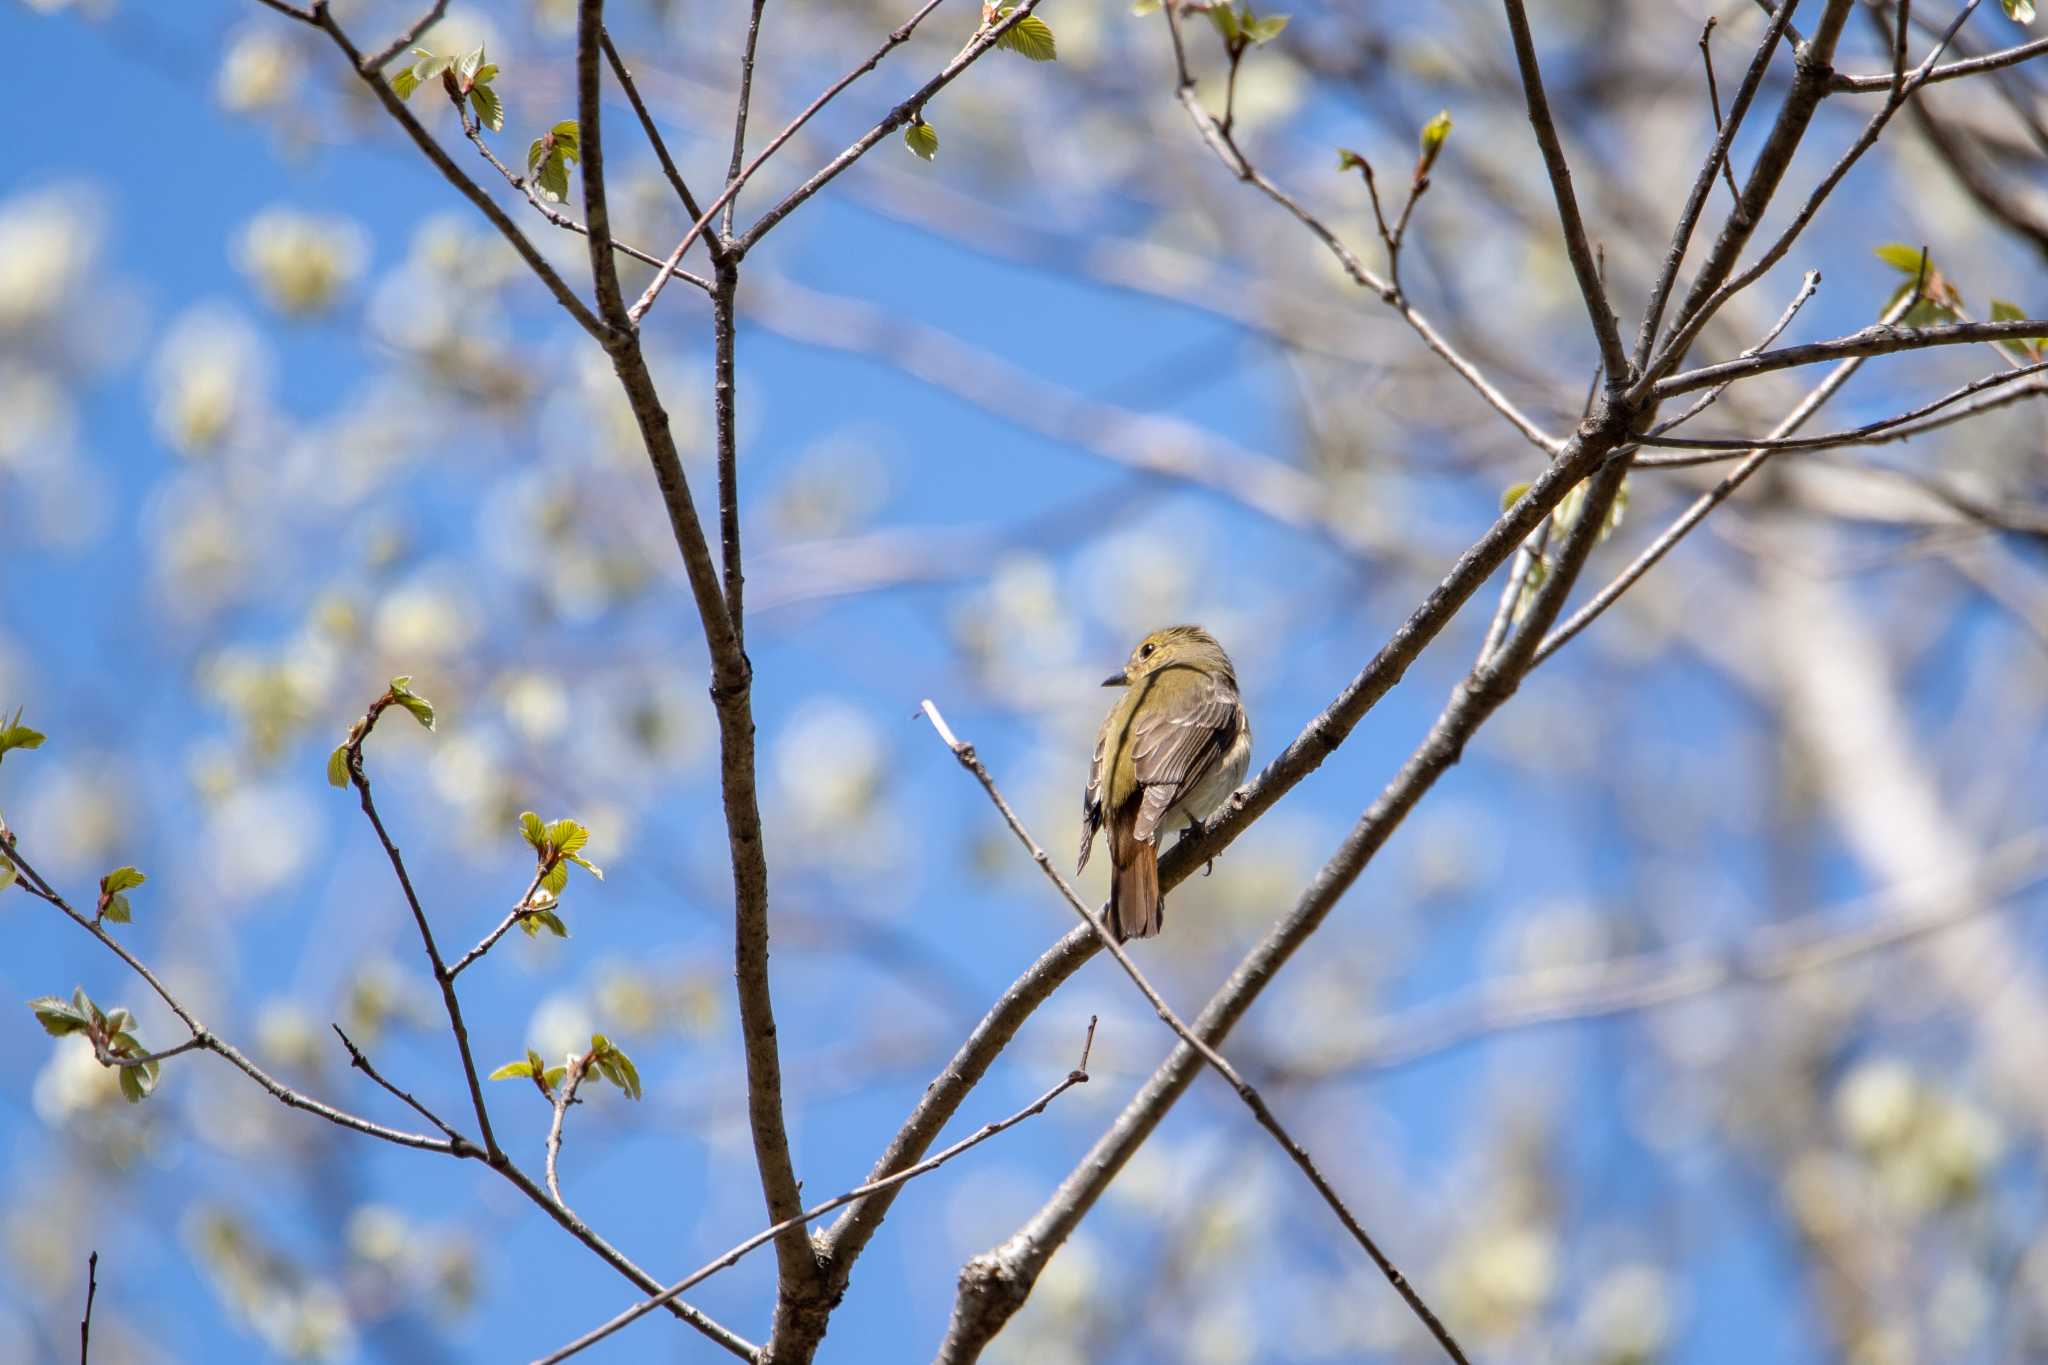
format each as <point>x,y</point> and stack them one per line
<point>1171,750</point>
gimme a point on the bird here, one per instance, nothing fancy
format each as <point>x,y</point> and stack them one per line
<point>1170,752</point>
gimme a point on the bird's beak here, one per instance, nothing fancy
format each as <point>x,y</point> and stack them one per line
<point>1121,678</point>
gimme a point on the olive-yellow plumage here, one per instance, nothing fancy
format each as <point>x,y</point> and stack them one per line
<point>1174,746</point>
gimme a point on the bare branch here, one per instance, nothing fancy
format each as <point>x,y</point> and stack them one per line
<point>361,1063</point>
<point>1807,286</point>
<point>579,1067</point>
<point>1606,329</point>
<point>522,911</point>
<point>604,270</point>
<point>1870,433</point>
<point>713,244</point>
<point>408,38</point>
<point>1078,1076</point>
<point>1251,1097</point>
<point>92,1288</point>
<point>1720,153</point>
<point>1990,61</point>
<point>1877,339</point>
<point>739,117</point>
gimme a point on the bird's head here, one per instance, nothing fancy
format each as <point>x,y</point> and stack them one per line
<point>1174,646</point>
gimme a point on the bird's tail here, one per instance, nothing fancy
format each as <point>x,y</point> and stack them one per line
<point>1136,909</point>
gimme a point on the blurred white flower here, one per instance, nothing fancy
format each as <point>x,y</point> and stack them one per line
<point>259,839</point>
<point>302,263</point>
<point>561,1024</point>
<point>1876,1103</point>
<point>1627,1318</point>
<point>212,379</point>
<point>259,69</point>
<point>48,240</point>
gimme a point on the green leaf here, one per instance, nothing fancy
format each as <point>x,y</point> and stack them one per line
<point>7,873</point>
<point>567,836</point>
<point>532,830</point>
<point>616,1067</point>
<point>490,110</point>
<point>1900,257</point>
<point>599,1044</point>
<point>588,866</point>
<point>2025,348</point>
<point>137,1082</point>
<point>1348,160</point>
<point>486,73</point>
<point>122,879</point>
<point>568,137</point>
<point>2019,11</point>
<point>15,735</point>
<point>120,1021</point>
<point>1030,37</point>
<point>1225,19</point>
<point>118,910</point>
<point>401,692</point>
<point>513,1071</point>
<point>1512,494</point>
<point>466,69</point>
<point>533,1060</point>
<point>1265,30</point>
<point>555,879</point>
<point>554,177</point>
<point>58,1017</point>
<point>1434,134</point>
<point>554,1076</point>
<point>922,138</point>
<point>1144,7</point>
<point>534,921</point>
<point>403,83</point>
<point>337,766</point>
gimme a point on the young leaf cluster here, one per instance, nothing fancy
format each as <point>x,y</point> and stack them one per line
<point>466,78</point>
<point>113,901</point>
<point>548,159</point>
<point>555,844</point>
<point>15,735</point>
<point>111,1033</point>
<point>1029,37</point>
<point>605,1060</point>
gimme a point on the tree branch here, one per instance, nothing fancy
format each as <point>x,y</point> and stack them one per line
<point>1879,338</point>
<point>1251,1097</point>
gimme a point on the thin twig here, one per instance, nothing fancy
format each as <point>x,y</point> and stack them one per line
<point>1877,339</point>
<point>408,38</point>
<point>1870,433</point>
<point>971,761</point>
<point>442,978</point>
<point>1078,1076</point>
<point>1699,313</point>
<point>714,244</point>
<point>1242,167</point>
<point>579,1067</point>
<point>360,1062</point>
<point>1990,61</point>
<point>897,36</point>
<point>92,1288</point>
<point>1606,329</point>
<point>108,1057</point>
<point>525,910</point>
<point>1713,497</point>
<point>739,117</point>
<point>1714,102</point>
<point>1807,286</point>
<point>1703,182</point>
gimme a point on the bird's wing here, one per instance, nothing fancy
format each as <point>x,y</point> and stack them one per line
<point>1176,741</point>
<point>1091,800</point>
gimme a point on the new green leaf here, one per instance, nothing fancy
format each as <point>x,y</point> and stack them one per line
<point>922,138</point>
<point>1029,37</point>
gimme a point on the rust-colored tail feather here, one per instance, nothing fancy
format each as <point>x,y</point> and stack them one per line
<point>1136,909</point>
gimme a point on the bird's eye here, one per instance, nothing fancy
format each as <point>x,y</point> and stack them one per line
<point>1146,652</point>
